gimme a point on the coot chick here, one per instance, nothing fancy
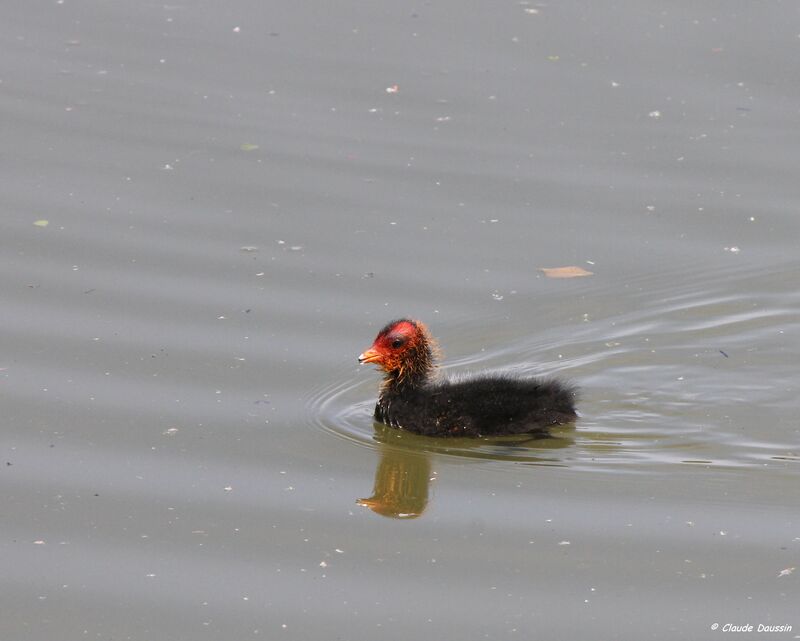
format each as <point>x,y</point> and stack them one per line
<point>414,399</point>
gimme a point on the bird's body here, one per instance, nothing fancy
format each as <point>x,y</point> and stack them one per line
<point>413,398</point>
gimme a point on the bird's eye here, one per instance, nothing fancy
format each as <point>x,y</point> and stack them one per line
<point>398,342</point>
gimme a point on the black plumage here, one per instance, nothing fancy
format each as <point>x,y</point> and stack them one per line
<point>413,398</point>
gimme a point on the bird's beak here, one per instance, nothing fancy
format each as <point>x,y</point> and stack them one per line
<point>370,356</point>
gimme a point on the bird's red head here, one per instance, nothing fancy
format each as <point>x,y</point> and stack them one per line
<point>404,347</point>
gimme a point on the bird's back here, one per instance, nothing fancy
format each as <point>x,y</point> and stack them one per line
<point>479,406</point>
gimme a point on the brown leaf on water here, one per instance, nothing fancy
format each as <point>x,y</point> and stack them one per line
<point>570,271</point>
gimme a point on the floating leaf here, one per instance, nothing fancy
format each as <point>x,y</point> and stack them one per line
<point>41,223</point>
<point>247,146</point>
<point>571,271</point>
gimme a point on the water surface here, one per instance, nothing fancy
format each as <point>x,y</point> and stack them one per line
<point>208,212</point>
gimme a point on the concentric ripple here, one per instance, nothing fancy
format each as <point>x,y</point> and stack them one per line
<point>345,409</point>
<point>659,384</point>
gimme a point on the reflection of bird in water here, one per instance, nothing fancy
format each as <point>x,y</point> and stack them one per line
<point>413,399</point>
<point>403,475</point>
<point>401,483</point>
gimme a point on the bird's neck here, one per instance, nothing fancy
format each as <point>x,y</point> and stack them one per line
<point>412,375</point>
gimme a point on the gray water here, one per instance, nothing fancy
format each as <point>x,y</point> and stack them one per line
<point>209,209</point>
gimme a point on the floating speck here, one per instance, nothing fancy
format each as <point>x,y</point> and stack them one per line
<point>655,114</point>
<point>570,271</point>
<point>392,89</point>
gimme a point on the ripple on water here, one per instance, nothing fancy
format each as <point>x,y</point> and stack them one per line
<point>345,409</point>
<point>704,376</point>
<point>627,442</point>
